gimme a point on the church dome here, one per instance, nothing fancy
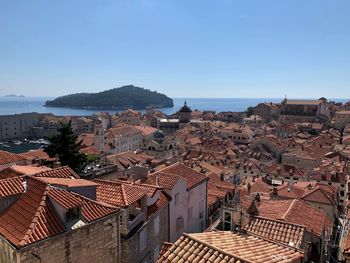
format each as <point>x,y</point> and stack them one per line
<point>158,136</point>
<point>185,108</point>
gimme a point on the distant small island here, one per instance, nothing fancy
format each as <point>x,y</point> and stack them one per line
<point>116,99</point>
<point>14,96</point>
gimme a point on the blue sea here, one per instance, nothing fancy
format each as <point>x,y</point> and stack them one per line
<point>16,105</point>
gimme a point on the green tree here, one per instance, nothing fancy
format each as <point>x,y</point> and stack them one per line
<point>65,146</point>
<point>250,111</point>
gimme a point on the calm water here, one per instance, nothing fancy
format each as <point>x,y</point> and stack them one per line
<point>11,147</point>
<point>21,105</point>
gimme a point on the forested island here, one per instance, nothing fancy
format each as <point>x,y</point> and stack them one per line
<point>117,99</point>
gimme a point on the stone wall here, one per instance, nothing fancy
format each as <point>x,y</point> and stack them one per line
<point>131,246</point>
<point>96,242</point>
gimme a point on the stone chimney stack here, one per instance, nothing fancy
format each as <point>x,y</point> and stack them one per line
<point>25,184</point>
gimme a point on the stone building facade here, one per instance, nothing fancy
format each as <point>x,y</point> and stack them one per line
<point>95,242</point>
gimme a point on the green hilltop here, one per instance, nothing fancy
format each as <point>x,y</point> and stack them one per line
<point>117,98</point>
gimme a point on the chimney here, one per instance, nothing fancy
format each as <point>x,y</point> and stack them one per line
<point>144,203</point>
<point>278,170</point>
<point>274,191</point>
<point>291,172</point>
<point>25,184</point>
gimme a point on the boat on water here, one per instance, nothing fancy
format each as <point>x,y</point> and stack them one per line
<point>17,142</point>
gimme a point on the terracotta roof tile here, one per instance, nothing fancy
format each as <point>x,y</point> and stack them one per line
<point>92,210</point>
<point>278,231</point>
<point>62,172</point>
<point>37,154</point>
<point>319,195</point>
<point>296,212</point>
<point>159,204</point>
<point>192,177</point>
<point>118,194</point>
<point>28,169</point>
<point>8,158</point>
<point>167,181</point>
<point>9,173</point>
<point>290,191</point>
<point>11,186</point>
<point>68,182</point>
<point>31,218</point>
<point>64,198</point>
<point>228,247</point>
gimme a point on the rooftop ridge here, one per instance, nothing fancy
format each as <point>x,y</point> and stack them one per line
<point>276,242</point>
<point>280,221</point>
<point>289,209</point>
<point>90,200</point>
<point>314,190</point>
<point>36,217</point>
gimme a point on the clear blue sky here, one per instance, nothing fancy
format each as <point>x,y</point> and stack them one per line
<point>184,48</point>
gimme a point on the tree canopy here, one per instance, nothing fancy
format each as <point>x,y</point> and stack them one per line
<point>65,146</point>
<point>118,98</point>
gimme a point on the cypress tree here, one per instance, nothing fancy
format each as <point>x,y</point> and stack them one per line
<point>65,146</point>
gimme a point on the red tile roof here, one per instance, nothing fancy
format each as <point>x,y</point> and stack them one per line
<point>296,212</point>
<point>279,231</point>
<point>68,182</point>
<point>192,177</point>
<point>146,130</point>
<point>37,154</point>
<point>11,186</point>
<point>31,218</point>
<point>87,139</point>
<point>319,195</point>
<point>290,191</point>
<point>220,246</point>
<point>9,173</point>
<point>62,172</point>
<point>92,210</point>
<point>118,194</point>
<point>90,150</point>
<point>8,158</point>
<point>64,198</point>
<point>159,204</point>
<point>28,169</point>
<point>167,181</point>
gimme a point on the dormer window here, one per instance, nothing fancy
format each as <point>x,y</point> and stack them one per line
<point>72,214</point>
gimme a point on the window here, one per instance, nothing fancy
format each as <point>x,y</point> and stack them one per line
<point>227,221</point>
<point>177,199</point>
<point>341,193</point>
<point>72,213</point>
<point>156,225</point>
<point>179,224</point>
<point>143,239</point>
